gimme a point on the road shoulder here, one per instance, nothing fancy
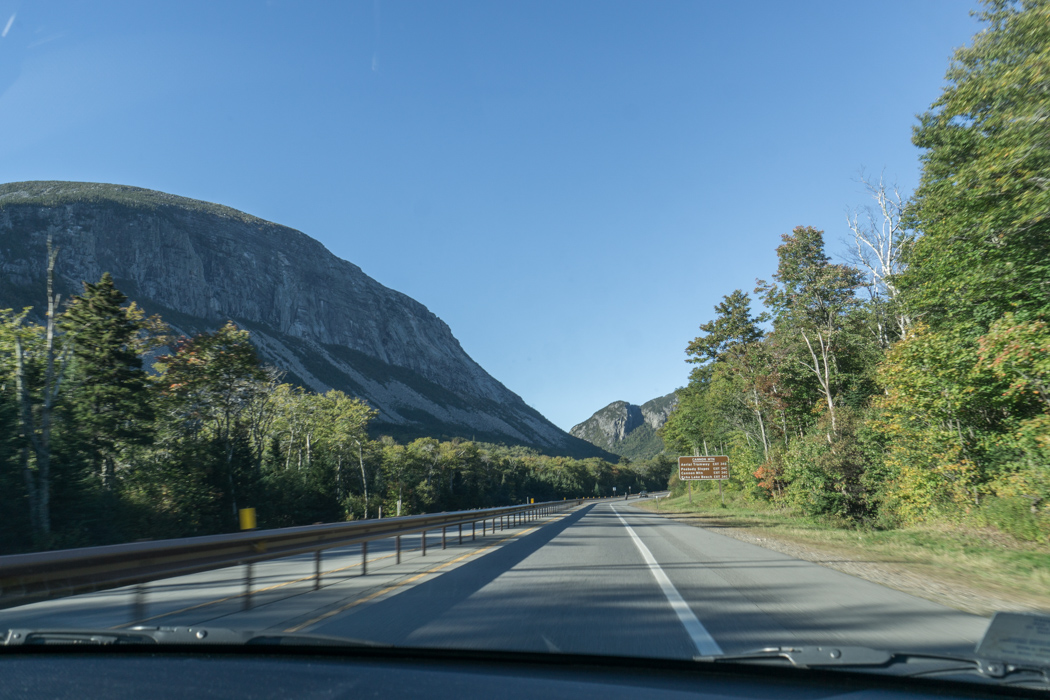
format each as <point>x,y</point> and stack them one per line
<point>901,575</point>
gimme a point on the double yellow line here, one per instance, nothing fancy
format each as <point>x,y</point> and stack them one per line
<point>412,579</point>
<point>311,577</point>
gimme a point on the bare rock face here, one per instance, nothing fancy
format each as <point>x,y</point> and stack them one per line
<point>610,425</point>
<point>625,429</point>
<point>658,410</point>
<point>322,319</point>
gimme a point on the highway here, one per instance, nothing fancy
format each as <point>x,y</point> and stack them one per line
<point>604,578</point>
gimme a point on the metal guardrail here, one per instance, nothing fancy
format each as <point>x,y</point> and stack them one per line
<point>29,578</point>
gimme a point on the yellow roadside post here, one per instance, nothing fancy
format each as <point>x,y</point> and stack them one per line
<point>247,518</point>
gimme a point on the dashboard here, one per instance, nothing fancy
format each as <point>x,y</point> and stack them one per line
<point>290,672</point>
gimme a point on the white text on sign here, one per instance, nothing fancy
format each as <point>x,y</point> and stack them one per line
<point>700,468</point>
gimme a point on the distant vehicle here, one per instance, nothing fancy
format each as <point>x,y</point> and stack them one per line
<point>643,494</point>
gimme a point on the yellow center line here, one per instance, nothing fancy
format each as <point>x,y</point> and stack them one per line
<point>399,584</point>
<point>254,591</point>
<point>314,576</point>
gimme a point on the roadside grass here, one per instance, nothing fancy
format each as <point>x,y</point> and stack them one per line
<point>983,560</point>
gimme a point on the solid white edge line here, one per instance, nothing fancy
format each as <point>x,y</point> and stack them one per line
<point>702,639</point>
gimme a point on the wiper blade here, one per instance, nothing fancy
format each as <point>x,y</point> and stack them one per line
<point>172,635</point>
<point>24,637</point>
<point>909,664</point>
<point>811,656</point>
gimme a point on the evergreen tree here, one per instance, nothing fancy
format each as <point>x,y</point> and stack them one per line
<point>108,400</point>
<point>733,326</point>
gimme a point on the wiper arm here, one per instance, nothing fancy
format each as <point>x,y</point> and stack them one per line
<point>171,635</point>
<point>811,656</point>
<point>912,664</point>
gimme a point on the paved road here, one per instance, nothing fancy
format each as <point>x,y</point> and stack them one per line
<point>606,578</point>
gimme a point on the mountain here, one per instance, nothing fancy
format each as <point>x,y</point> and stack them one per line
<point>320,318</point>
<point>628,430</point>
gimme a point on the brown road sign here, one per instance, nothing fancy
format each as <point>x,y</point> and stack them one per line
<point>713,467</point>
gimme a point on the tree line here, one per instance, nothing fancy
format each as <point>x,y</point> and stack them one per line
<point>910,383</point>
<point>97,448</point>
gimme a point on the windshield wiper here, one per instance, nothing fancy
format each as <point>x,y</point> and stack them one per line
<point>910,664</point>
<point>811,656</point>
<point>171,635</point>
<point>1015,650</point>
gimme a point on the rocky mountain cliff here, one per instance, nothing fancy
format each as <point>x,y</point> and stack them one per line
<point>316,316</point>
<point>628,430</point>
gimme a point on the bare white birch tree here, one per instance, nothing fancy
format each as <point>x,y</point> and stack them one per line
<point>879,247</point>
<point>36,414</point>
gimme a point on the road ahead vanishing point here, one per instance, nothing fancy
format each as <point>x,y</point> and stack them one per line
<point>605,578</point>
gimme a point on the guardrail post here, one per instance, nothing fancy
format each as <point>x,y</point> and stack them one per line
<point>473,530</point>
<point>248,586</point>
<point>397,548</point>
<point>317,570</point>
<point>423,537</point>
<point>461,533</point>
<point>443,529</point>
<point>364,557</point>
<point>138,605</point>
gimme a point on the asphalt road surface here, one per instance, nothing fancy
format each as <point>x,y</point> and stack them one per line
<point>605,578</point>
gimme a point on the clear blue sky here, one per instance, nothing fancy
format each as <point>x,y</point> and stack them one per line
<point>570,185</point>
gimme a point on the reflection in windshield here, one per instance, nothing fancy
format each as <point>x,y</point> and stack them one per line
<point>398,415</point>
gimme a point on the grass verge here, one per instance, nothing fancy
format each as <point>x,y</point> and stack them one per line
<point>977,570</point>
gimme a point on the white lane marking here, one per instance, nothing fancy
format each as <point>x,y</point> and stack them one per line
<point>702,639</point>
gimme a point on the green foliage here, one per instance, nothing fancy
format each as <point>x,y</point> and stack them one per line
<point>734,326</point>
<point>983,204</point>
<point>827,414</point>
<point>641,443</point>
<point>214,431</point>
<point>825,470</point>
<point>106,399</point>
<point>947,417</point>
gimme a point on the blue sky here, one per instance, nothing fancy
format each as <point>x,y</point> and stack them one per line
<point>571,186</point>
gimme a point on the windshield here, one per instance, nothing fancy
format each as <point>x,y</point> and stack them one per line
<point>673,330</point>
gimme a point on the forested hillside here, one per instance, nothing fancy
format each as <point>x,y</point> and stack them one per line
<point>96,449</point>
<point>912,385</point>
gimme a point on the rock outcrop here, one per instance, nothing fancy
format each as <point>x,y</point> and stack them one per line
<point>628,430</point>
<point>656,411</point>
<point>320,318</point>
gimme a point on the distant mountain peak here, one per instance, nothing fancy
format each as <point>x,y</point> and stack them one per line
<point>628,430</point>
